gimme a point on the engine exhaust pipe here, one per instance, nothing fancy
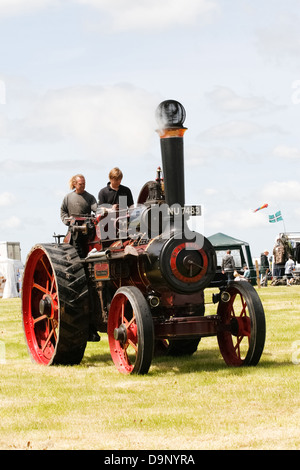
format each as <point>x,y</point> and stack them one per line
<point>170,116</point>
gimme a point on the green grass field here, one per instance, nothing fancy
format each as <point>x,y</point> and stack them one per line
<point>181,404</point>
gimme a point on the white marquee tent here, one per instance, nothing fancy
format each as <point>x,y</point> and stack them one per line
<point>12,271</point>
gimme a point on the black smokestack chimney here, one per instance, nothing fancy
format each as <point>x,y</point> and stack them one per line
<point>170,115</point>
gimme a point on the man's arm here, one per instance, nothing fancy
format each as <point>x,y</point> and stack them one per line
<point>94,204</point>
<point>64,213</point>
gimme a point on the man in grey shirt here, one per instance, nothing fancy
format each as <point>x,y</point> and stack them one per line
<point>228,265</point>
<point>79,202</point>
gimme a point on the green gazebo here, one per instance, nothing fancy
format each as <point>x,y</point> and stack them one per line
<point>240,251</point>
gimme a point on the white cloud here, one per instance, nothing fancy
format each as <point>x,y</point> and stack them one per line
<point>280,39</point>
<point>234,219</point>
<point>104,120</point>
<point>32,166</point>
<point>210,191</point>
<point>199,155</point>
<point>3,126</point>
<point>7,199</point>
<point>226,100</point>
<point>16,7</point>
<point>282,190</point>
<point>11,223</point>
<point>124,16</point>
<point>59,194</point>
<point>142,14</point>
<point>2,92</point>
<point>284,151</point>
<point>237,129</point>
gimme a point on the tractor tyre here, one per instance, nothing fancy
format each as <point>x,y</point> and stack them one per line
<point>130,331</point>
<point>55,305</point>
<point>242,331</point>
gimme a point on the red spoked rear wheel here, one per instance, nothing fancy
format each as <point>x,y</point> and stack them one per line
<point>242,330</point>
<point>130,331</point>
<point>54,305</point>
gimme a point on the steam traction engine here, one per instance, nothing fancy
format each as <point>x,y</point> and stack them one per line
<point>142,282</point>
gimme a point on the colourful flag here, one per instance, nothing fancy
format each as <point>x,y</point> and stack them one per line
<point>261,207</point>
<point>276,217</point>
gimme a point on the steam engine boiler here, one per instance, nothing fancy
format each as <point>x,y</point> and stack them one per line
<point>139,275</point>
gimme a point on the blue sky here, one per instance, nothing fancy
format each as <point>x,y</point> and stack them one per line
<point>79,84</point>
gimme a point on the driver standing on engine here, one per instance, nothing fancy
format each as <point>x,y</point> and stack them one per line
<point>78,202</point>
<point>114,190</point>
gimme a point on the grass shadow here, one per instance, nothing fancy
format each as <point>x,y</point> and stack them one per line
<point>203,360</point>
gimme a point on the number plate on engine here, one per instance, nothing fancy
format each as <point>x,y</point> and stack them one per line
<point>192,210</point>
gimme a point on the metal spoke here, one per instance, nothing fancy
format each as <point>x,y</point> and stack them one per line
<point>47,340</point>
<point>135,346</point>
<point>39,287</point>
<point>42,317</point>
<point>46,269</point>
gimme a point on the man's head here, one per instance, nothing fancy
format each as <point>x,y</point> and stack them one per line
<point>77,182</point>
<point>115,177</point>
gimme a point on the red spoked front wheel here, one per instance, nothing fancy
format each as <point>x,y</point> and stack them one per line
<point>130,331</point>
<point>55,305</point>
<point>242,331</point>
